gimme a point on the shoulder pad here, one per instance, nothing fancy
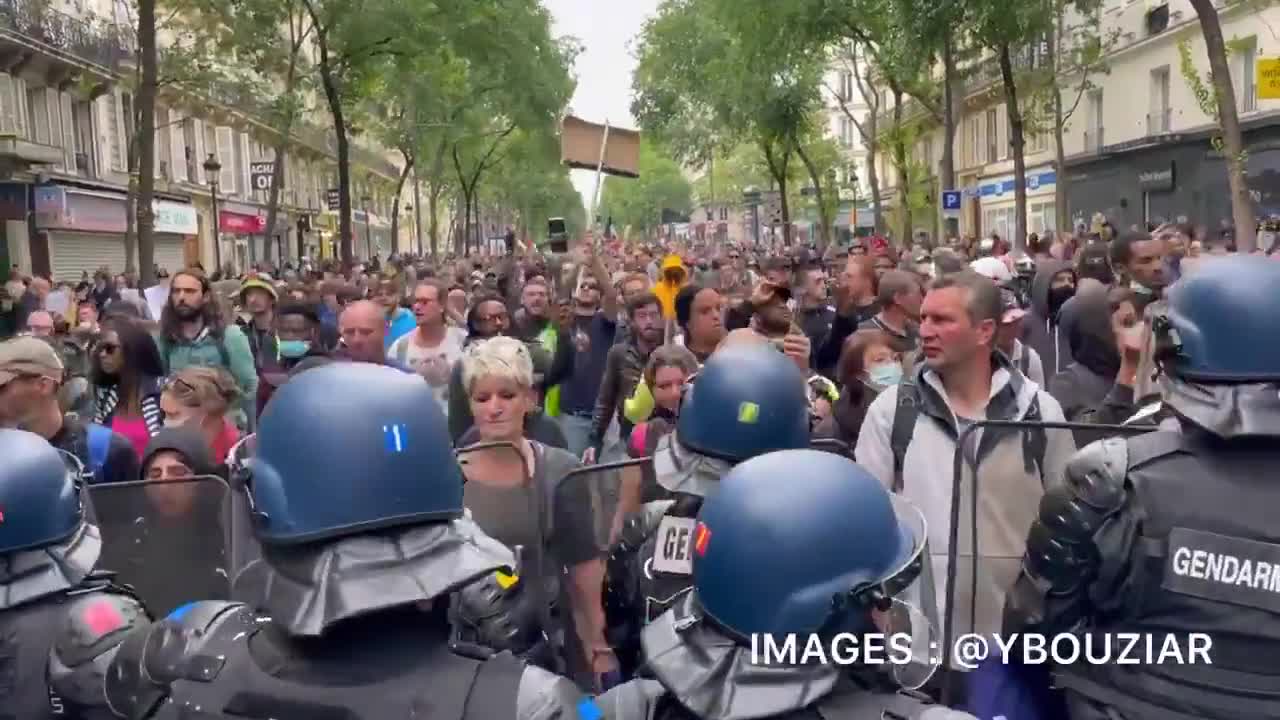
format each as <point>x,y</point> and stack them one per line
<point>643,524</point>
<point>88,636</point>
<point>634,700</point>
<point>496,613</point>
<point>151,658</point>
<point>546,696</point>
<point>1096,474</point>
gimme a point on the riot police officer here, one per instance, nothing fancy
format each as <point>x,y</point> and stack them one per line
<point>366,555</point>
<point>747,400</point>
<point>60,619</point>
<point>798,544</point>
<point>1173,532</point>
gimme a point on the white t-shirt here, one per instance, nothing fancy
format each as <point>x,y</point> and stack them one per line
<point>433,363</point>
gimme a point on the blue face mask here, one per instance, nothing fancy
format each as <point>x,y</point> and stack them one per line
<point>886,374</point>
<point>294,349</point>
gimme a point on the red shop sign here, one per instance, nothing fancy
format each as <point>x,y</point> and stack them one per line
<point>241,224</point>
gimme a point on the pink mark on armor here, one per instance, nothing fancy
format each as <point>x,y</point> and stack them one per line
<point>102,618</point>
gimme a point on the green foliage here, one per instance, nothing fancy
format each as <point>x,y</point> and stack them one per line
<point>1205,98</point>
<point>639,202</point>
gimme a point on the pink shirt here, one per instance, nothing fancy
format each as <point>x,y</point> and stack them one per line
<point>135,429</point>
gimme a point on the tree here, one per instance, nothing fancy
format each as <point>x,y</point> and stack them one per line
<point>639,202</point>
<point>850,58</point>
<point>1220,102</point>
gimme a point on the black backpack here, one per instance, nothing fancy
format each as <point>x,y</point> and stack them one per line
<point>907,412</point>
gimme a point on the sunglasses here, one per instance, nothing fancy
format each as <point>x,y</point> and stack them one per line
<point>107,348</point>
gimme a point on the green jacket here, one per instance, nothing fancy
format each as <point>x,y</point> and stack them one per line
<point>231,354</point>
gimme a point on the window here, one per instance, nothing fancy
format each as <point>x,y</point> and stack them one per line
<point>38,116</point>
<point>846,132</point>
<point>161,149</point>
<point>1041,217</point>
<point>1157,20</point>
<point>1246,83</point>
<point>1037,142</point>
<point>724,213</point>
<point>1000,221</point>
<point>926,155</point>
<point>1158,118</point>
<point>175,135</point>
<point>82,129</point>
<point>194,170</point>
<point>846,85</point>
<point>115,132</point>
<point>224,139</point>
<point>993,146</point>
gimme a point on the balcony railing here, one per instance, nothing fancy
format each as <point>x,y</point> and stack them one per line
<point>1093,140</point>
<point>1158,122</point>
<point>82,36</point>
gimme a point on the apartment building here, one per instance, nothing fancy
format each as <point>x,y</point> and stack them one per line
<point>1138,146</point>
<point>66,117</point>
<point>842,98</point>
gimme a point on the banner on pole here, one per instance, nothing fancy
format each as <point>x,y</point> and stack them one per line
<point>580,148</point>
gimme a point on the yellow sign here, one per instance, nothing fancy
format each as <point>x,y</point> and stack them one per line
<point>1268,79</point>
<point>748,413</point>
<point>506,581</point>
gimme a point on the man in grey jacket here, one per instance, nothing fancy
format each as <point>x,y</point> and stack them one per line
<point>962,381</point>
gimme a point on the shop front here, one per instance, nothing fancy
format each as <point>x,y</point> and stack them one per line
<point>372,235</point>
<point>998,203</point>
<point>1182,181</point>
<point>83,230</point>
<point>237,226</point>
<point>321,242</point>
<point>13,226</point>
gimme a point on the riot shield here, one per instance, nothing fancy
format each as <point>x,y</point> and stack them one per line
<point>165,538</point>
<point>243,547</point>
<point>1000,470</point>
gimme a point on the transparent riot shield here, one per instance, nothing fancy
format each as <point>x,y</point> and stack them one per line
<point>166,539</point>
<point>242,543</point>
<point>833,446</point>
<point>1000,471</point>
<point>912,605</point>
<point>597,500</point>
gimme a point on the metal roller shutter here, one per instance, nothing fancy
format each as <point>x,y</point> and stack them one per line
<point>170,253</point>
<point>72,254</point>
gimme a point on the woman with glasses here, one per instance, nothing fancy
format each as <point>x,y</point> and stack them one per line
<point>125,372</point>
<point>200,397</point>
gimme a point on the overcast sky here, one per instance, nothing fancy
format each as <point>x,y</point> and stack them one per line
<point>603,69</point>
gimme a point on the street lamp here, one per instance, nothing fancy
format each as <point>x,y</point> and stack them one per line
<point>366,201</point>
<point>212,168</point>
<point>417,231</point>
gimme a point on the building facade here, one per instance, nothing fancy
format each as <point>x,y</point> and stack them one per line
<point>1138,147</point>
<point>66,120</point>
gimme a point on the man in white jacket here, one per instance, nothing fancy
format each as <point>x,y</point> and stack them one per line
<point>961,381</point>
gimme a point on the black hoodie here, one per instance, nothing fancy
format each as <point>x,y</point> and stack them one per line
<point>1041,330</point>
<point>1083,384</point>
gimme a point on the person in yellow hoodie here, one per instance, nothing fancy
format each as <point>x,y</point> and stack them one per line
<point>672,277</point>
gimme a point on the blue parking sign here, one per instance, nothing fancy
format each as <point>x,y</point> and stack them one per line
<point>950,199</point>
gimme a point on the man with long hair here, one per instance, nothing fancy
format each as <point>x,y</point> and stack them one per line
<point>193,332</point>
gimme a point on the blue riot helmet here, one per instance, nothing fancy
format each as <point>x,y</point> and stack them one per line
<point>746,400</point>
<point>39,493</point>
<point>1220,326</point>
<point>349,448</point>
<point>802,541</point>
<point>1218,345</point>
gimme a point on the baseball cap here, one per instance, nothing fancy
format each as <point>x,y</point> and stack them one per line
<point>1010,310</point>
<point>28,356</point>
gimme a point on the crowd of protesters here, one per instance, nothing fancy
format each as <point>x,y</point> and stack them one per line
<point>582,357</point>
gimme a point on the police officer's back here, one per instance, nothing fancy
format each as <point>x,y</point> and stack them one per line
<point>366,559</point>
<point>1173,532</point>
<point>746,400</point>
<point>797,543</point>
<point>59,620</point>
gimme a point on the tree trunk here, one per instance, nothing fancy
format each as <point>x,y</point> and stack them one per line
<point>344,148</point>
<point>146,109</point>
<point>130,206</point>
<point>282,147</point>
<point>1017,144</point>
<point>433,220</point>
<point>778,170</point>
<point>1060,214</point>
<point>417,213</point>
<point>824,212</point>
<point>951,225</point>
<point>900,165</point>
<point>395,208</point>
<point>1229,121</point>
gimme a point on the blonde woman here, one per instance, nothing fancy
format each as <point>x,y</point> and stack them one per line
<point>552,521</point>
<point>201,397</point>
